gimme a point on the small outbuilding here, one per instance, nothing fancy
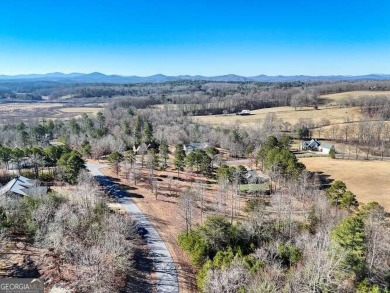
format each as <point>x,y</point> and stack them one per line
<point>326,148</point>
<point>244,112</point>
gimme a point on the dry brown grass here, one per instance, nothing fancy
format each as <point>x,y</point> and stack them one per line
<point>288,114</point>
<point>79,110</point>
<point>369,180</point>
<point>9,107</point>
<point>326,131</point>
<point>353,94</point>
<point>326,110</point>
<point>28,111</point>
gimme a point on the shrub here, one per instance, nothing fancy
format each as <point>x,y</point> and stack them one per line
<point>289,254</point>
<point>46,177</point>
<point>366,287</point>
<point>195,245</point>
<point>27,173</point>
<point>252,204</point>
<point>224,260</point>
<point>3,219</point>
<point>332,154</point>
<point>216,234</point>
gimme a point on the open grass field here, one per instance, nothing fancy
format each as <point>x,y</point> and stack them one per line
<point>369,180</point>
<point>9,107</point>
<point>354,94</point>
<point>326,110</point>
<point>79,110</point>
<point>27,111</point>
<point>288,114</point>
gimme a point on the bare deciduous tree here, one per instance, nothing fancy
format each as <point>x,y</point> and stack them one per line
<point>187,204</point>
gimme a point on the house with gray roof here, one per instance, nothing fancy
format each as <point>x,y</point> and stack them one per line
<point>317,146</point>
<point>192,147</point>
<point>252,177</point>
<point>23,186</point>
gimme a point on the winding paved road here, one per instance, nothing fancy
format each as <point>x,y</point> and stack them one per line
<point>164,267</point>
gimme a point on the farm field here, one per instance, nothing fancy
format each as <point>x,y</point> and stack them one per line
<point>79,110</point>
<point>9,107</point>
<point>326,110</point>
<point>331,98</point>
<point>28,111</point>
<point>288,114</point>
<point>369,180</point>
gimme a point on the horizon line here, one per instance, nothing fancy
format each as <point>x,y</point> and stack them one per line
<point>192,75</point>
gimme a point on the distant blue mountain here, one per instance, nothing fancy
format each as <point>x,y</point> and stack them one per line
<point>97,77</point>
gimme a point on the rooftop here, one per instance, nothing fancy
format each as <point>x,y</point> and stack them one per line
<point>23,186</point>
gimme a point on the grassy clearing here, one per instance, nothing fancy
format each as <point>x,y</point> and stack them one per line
<point>369,180</point>
<point>81,110</point>
<point>10,107</point>
<point>288,114</point>
<point>28,111</point>
<point>332,98</point>
<point>250,188</point>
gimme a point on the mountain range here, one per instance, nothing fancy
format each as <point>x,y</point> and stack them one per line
<point>97,77</point>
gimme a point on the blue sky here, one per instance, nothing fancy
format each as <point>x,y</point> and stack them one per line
<point>195,37</point>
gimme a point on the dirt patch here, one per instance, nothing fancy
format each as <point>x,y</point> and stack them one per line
<point>369,180</point>
<point>19,259</point>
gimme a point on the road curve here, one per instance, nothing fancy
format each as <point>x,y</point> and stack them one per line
<point>164,267</point>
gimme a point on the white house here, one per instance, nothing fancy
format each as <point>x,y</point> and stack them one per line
<point>326,148</point>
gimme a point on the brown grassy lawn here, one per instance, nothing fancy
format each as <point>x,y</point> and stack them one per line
<point>81,110</point>
<point>354,94</point>
<point>369,180</point>
<point>335,115</point>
